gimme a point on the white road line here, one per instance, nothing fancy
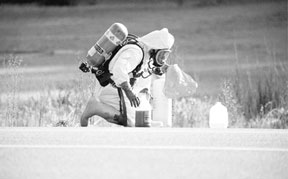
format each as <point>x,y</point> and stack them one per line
<point>157,147</point>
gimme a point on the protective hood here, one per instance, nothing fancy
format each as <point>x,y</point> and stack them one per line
<point>158,39</point>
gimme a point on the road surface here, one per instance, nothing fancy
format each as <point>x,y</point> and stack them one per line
<point>147,153</point>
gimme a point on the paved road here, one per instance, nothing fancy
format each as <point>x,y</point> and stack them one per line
<point>143,153</point>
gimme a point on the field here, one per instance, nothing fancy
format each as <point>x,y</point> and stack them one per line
<point>214,44</point>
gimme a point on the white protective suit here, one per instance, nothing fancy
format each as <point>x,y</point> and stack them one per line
<point>125,61</point>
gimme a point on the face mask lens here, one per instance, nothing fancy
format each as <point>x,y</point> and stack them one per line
<point>162,56</point>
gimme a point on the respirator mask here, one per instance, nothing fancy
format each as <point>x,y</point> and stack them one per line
<point>158,60</point>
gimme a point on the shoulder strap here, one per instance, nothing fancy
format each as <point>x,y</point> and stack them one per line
<point>138,67</point>
<point>131,39</point>
<point>104,77</point>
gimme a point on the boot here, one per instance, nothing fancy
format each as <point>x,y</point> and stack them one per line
<point>120,119</point>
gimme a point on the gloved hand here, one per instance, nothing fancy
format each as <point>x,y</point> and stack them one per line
<point>134,100</point>
<point>84,67</point>
<point>165,68</point>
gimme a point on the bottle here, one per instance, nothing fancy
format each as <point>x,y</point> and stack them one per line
<point>218,116</point>
<point>104,47</point>
<point>143,112</point>
<point>162,106</point>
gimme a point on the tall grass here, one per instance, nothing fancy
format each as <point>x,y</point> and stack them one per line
<point>191,112</point>
<point>255,95</point>
<point>11,104</point>
<point>60,106</point>
<point>259,94</point>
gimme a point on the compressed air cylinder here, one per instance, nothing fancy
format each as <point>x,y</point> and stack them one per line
<point>162,106</point>
<point>103,48</point>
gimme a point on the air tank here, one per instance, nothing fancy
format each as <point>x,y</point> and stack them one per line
<point>104,47</point>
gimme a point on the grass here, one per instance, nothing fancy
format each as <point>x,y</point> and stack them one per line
<point>255,98</point>
<point>263,96</point>
<point>236,53</point>
<point>12,100</point>
<point>57,106</point>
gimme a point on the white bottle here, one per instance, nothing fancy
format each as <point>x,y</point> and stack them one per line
<point>162,106</point>
<point>218,116</point>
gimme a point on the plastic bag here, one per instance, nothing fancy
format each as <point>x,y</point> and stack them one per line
<point>178,84</point>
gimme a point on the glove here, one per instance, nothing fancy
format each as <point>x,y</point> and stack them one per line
<point>84,67</point>
<point>134,100</point>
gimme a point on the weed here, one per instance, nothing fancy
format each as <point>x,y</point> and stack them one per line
<point>191,112</point>
<point>259,95</point>
<point>12,84</point>
<point>59,106</point>
<point>228,97</point>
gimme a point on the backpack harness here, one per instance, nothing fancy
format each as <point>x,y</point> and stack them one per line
<point>103,74</point>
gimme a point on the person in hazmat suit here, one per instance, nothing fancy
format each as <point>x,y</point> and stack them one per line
<point>130,63</point>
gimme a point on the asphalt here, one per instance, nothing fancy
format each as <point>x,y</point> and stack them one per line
<point>143,153</point>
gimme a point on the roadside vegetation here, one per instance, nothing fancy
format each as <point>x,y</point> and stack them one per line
<point>255,98</point>
<point>53,106</point>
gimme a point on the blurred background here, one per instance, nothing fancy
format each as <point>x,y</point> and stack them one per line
<point>235,49</point>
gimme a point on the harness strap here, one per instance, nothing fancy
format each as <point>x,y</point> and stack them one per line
<point>123,110</point>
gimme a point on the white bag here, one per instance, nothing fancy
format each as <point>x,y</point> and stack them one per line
<point>178,84</point>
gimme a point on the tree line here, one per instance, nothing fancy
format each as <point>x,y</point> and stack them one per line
<point>94,2</point>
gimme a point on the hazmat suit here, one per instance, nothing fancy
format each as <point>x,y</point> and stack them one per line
<point>106,104</point>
